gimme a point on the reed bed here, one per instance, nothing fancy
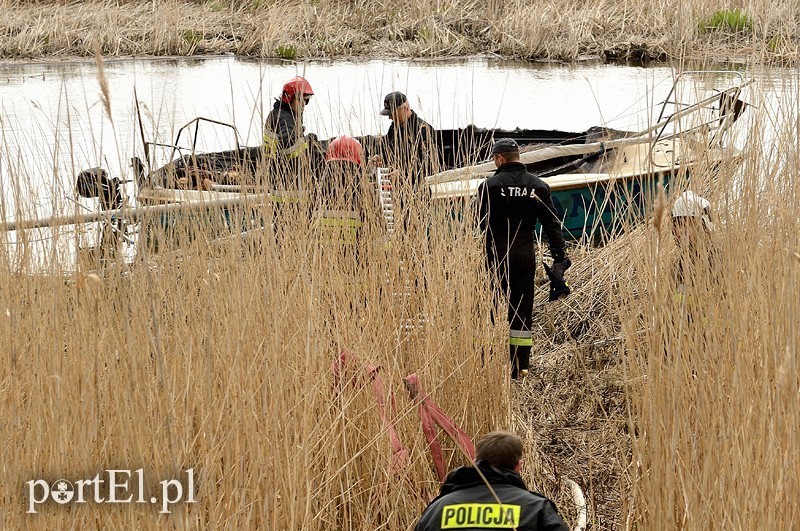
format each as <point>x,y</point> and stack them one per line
<point>715,402</point>
<point>680,412</point>
<point>218,358</point>
<point>291,29</point>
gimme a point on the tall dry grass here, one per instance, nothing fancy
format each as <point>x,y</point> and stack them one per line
<point>289,29</point>
<point>683,415</point>
<point>218,358</point>
<point>714,399</point>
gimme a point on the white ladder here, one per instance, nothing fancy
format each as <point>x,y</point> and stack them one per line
<point>385,199</point>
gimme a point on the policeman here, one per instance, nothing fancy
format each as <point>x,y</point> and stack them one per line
<point>509,204</point>
<point>465,500</point>
<point>288,152</point>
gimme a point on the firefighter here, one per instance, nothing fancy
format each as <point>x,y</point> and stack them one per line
<point>292,157</point>
<point>339,197</point>
<point>509,204</point>
<point>691,227</point>
<point>491,494</point>
<point>691,218</point>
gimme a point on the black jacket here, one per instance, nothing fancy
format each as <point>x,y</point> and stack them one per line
<point>509,203</point>
<point>465,502</point>
<point>281,127</point>
<point>412,149</point>
<point>287,150</point>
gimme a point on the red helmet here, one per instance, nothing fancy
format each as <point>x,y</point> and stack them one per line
<point>345,148</point>
<point>295,85</point>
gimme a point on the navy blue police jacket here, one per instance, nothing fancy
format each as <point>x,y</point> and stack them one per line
<point>466,503</point>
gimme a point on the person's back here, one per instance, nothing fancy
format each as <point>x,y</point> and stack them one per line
<point>338,199</point>
<point>514,200</point>
<point>466,501</point>
<point>509,203</point>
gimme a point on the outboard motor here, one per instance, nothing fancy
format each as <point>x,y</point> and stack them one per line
<point>95,182</point>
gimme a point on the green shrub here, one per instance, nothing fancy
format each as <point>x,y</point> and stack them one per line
<point>424,33</point>
<point>730,21</point>
<point>192,36</point>
<point>286,51</point>
<point>777,43</point>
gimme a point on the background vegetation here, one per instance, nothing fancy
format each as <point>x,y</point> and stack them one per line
<point>559,30</point>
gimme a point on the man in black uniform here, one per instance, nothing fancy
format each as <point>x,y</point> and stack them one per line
<point>410,145</point>
<point>466,502</point>
<point>509,204</point>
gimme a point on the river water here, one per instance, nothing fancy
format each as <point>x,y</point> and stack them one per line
<point>53,120</point>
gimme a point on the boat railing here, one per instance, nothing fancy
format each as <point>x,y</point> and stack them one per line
<point>717,125</point>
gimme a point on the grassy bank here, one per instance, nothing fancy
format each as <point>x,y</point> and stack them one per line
<point>561,30</point>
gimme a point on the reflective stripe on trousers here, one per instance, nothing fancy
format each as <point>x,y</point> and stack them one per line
<point>520,338</point>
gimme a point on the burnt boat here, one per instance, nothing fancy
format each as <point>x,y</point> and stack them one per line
<point>601,179</point>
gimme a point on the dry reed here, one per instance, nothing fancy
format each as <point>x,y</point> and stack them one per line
<point>218,358</point>
<point>716,408</point>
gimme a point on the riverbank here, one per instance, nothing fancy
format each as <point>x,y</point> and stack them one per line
<point>634,30</point>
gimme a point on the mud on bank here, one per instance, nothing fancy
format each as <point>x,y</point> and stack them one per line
<point>293,29</point>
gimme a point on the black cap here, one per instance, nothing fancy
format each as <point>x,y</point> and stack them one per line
<point>505,145</point>
<point>392,101</point>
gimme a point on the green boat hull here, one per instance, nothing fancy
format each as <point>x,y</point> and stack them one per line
<point>598,211</point>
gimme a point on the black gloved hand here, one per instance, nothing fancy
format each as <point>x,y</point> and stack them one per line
<point>558,286</point>
<point>560,267</point>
